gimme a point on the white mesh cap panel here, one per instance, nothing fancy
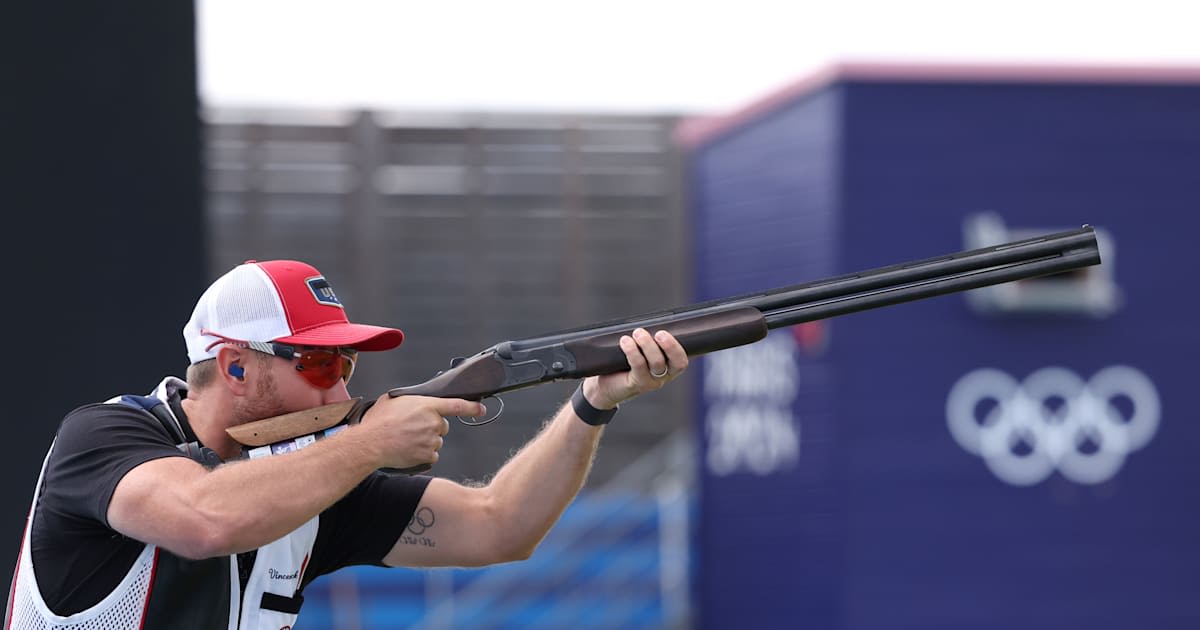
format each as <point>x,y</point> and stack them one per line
<point>243,304</point>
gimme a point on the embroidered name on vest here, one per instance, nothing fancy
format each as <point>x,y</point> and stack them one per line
<point>276,575</point>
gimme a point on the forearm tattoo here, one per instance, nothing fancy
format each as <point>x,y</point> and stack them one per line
<point>417,532</point>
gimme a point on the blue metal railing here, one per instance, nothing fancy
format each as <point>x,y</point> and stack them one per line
<point>618,558</point>
<point>602,566</point>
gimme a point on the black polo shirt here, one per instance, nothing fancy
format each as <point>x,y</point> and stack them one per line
<point>78,559</point>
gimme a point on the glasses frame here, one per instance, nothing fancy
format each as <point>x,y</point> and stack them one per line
<point>292,353</point>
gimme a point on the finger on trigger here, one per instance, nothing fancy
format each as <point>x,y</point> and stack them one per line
<point>459,407</point>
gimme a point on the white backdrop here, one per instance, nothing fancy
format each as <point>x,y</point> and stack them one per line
<point>645,55</point>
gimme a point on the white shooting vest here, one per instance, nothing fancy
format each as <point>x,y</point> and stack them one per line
<point>146,597</point>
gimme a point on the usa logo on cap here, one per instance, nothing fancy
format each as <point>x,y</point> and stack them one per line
<point>323,292</point>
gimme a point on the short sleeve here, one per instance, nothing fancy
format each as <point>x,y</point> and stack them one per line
<point>362,527</point>
<point>95,447</point>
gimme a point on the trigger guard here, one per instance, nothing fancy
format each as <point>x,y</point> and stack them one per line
<point>479,423</point>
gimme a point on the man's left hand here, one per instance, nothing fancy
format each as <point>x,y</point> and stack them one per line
<point>654,361</point>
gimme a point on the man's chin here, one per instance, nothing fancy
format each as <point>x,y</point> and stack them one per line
<point>253,412</point>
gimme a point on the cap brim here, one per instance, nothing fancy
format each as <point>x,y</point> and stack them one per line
<point>358,336</point>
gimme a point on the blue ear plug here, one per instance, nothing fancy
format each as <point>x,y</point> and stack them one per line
<point>237,371</point>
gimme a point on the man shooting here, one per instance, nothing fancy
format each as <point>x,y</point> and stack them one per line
<point>146,516</point>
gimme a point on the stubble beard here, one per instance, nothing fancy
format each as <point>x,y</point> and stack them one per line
<point>266,402</point>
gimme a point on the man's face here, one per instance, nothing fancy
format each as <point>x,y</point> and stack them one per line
<point>280,388</point>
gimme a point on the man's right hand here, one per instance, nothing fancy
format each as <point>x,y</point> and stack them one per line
<point>408,431</point>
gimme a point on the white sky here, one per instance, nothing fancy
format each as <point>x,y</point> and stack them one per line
<point>639,55</point>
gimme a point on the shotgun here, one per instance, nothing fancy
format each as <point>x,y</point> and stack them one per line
<point>700,328</point>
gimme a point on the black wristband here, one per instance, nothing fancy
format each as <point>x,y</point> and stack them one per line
<point>588,413</point>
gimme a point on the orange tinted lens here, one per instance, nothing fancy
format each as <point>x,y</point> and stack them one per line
<point>323,367</point>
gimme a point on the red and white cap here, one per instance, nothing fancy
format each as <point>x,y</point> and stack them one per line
<point>277,300</point>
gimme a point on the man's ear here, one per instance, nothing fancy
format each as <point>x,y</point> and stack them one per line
<point>231,364</point>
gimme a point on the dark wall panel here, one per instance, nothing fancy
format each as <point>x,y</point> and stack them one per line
<point>104,238</point>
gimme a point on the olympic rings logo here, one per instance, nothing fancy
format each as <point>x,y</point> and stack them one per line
<point>1053,420</point>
